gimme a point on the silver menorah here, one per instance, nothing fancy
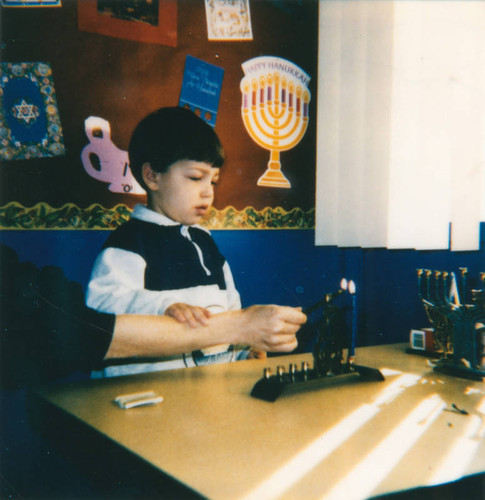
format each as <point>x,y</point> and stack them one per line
<point>275,102</point>
<point>458,317</point>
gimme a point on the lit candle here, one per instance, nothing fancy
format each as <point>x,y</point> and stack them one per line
<point>352,290</point>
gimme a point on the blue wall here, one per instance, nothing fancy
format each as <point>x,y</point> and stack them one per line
<point>284,267</point>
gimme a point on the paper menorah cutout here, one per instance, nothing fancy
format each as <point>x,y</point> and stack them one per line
<point>275,99</point>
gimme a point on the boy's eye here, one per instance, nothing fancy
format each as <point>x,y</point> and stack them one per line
<point>195,178</point>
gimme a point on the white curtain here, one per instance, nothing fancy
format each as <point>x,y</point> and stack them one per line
<point>401,124</point>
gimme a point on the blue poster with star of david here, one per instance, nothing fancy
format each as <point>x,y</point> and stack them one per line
<point>29,118</point>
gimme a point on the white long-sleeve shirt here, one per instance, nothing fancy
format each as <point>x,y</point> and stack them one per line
<point>151,262</point>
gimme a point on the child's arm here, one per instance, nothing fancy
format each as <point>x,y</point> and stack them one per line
<point>192,315</point>
<point>267,328</point>
<point>117,285</point>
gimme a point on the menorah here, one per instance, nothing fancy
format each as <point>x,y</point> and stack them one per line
<point>275,113</point>
<point>458,317</point>
<point>329,360</point>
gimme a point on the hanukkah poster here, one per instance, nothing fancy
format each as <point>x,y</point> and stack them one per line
<point>275,109</point>
<point>30,126</point>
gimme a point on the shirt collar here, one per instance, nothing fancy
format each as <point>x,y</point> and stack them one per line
<point>141,212</point>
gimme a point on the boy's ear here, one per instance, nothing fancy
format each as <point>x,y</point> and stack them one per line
<point>149,176</point>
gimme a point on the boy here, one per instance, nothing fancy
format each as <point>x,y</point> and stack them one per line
<point>161,261</point>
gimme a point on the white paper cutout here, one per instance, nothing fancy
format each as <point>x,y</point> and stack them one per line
<point>104,161</point>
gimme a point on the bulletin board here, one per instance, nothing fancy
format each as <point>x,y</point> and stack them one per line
<point>119,78</point>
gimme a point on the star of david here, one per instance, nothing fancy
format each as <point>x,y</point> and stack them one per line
<point>25,111</point>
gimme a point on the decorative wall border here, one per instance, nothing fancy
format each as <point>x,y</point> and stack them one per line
<point>13,215</point>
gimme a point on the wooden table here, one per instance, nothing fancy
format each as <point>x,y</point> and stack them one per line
<point>349,440</point>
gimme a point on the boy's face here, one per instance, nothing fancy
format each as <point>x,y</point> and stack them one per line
<point>185,192</point>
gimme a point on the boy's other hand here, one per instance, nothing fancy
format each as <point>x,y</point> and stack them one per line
<point>194,316</point>
<point>256,354</point>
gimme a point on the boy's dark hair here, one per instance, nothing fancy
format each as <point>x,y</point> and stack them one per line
<point>169,135</point>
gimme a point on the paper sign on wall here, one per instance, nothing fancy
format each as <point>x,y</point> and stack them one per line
<point>201,88</point>
<point>228,20</point>
<point>275,108</point>
<point>104,161</point>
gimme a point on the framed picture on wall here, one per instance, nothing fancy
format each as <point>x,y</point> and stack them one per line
<point>31,3</point>
<point>145,21</point>
<point>29,118</point>
<point>228,20</point>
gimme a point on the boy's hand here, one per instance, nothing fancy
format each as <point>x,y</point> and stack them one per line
<point>192,315</point>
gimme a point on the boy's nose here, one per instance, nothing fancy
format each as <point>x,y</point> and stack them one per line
<point>208,190</point>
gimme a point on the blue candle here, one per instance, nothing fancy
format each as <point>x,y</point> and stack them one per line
<point>352,291</point>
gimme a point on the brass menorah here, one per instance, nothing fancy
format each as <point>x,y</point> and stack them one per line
<point>458,317</point>
<point>275,112</point>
